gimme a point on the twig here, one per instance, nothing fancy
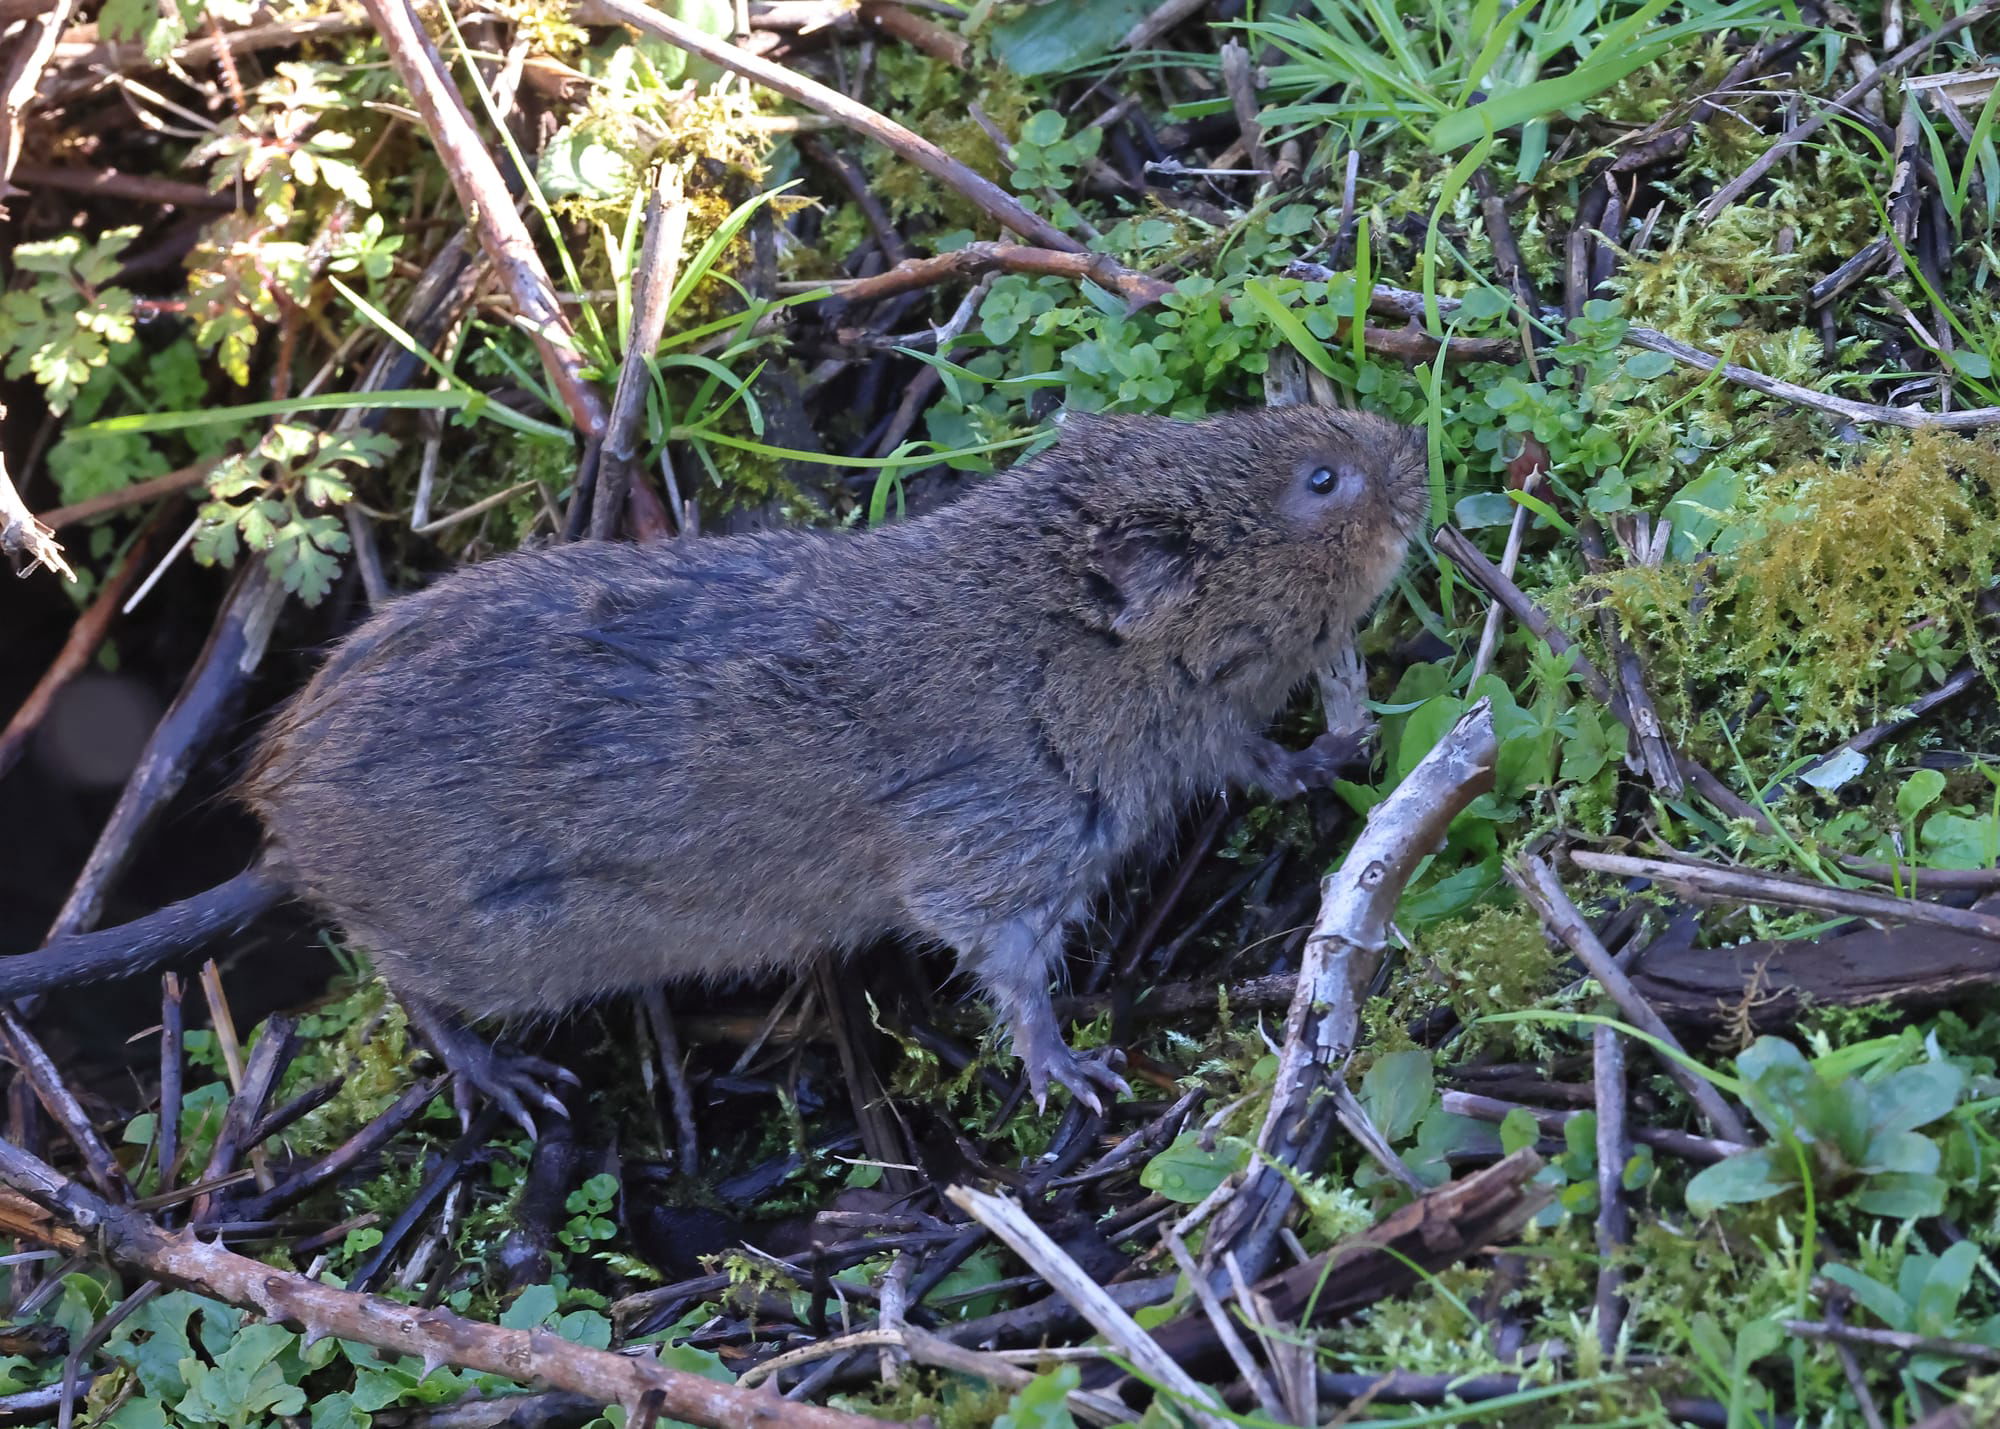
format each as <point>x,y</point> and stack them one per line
<point>988,196</point>
<point>915,31</point>
<point>441,1178</point>
<point>1655,753</point>
<point>61,1104</point>
<point>1840,103</point>
<point>1239,79</point>
<point>1686,1145</point>
<point>260,1079</point>
<point>1538,884</point>
<point>435,1336</point>
<point>848,174</point>
<point>133,495</point>
<point>979,258</point>
<point>1437,1229</point>
<point>22,537</point>
<point>1709,881</point>
<point>172,1072</point>
<point>113,183</point>
<point>1158,21</point>
<point>1452,542</point>
<point>1341,957</point>
<point>350,1153</point>
<point>1859,412</point>
<point>489,207</point>
<point>1409,344</point>
<point>33,44</point>
<point>659,264</point>
<point>1614,1219</point>
<point>1957,684</point>
<point>1899,1340</point>
<point>673,1067</point>
<point>1010,1223</point>
<point>1246,1365</point>
<point>86,634</point>
<point>205,704</point>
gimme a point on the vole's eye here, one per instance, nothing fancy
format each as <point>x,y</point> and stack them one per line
<point>1342,480</point>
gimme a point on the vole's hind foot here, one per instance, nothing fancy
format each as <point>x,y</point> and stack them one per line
<point>509,1079</point>
<point>1092,1078</point>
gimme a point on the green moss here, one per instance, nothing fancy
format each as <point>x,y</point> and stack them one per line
<point>1833,569</point>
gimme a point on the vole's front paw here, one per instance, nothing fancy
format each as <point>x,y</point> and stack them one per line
<point>1337,754</point>
<point>1280,773</point>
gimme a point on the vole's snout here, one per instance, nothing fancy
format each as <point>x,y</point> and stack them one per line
<point>1406,479</point>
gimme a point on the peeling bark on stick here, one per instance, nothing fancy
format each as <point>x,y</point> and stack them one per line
<point>433,1335</point>
<point>1341,958</point>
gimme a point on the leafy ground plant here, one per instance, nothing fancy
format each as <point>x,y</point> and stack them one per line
<point>246,297</point>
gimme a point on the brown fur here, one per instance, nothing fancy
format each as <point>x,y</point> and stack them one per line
<point>573,772</point>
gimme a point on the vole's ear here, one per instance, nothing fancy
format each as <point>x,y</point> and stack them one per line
<point>1141,574</point>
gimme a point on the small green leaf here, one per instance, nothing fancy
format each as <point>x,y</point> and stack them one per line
<point>1902,1197</point>
<point>1519,1129</point>
<point>1915,1096</point>
<point>1747,1176</point>
<point>1397,1091</point>
<point>1043,1402</point>
<point>1917,793</point>
<point>1186,1173</point>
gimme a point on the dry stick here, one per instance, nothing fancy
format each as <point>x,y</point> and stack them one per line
<point>673,1067</point>
<point>205,704</point>
<point>1712,882</point>
<point>1240,80</point>
<point>483,194</point>
<point>1839,104</point>
<point>172,1072</point>
<point>1161,19</point>
<point>22,536</point>
<point>1614,1219</point>
<point>1342,955</point>
<point>1870,412</point>
<point>1898,1340</point>
<point>112,183</point>
<point>260,1078</point>
<point>1662,767</point>
<point>1510,560</point>
<point>85,636</point>
<point>139,492</point>
<point>1385,301</point>
<point>1246,1364</point>
<point>1686,1145</point>
<point>61,1104</point>
<point>1850,1368</point>
<point>1408,344</point>
<point>990,198</point>
<point>659,267</point>
<point>1472,562</point>
<point>848,174</point>
<point>1011,1224</point>
<point>915,31</point>
<point>32,47</point>
<point>1538,884</point>
<point>437,1337</point>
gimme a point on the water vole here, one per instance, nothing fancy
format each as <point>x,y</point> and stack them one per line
<point>573,772</point>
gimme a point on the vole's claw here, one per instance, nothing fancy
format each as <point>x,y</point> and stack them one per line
<point>510,1080</point>
<point>1090,1078</point>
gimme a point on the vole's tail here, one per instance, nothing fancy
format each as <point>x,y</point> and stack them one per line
<point>153,941</point>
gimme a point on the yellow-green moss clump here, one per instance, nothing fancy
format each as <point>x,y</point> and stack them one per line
<point>1831,571</point>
